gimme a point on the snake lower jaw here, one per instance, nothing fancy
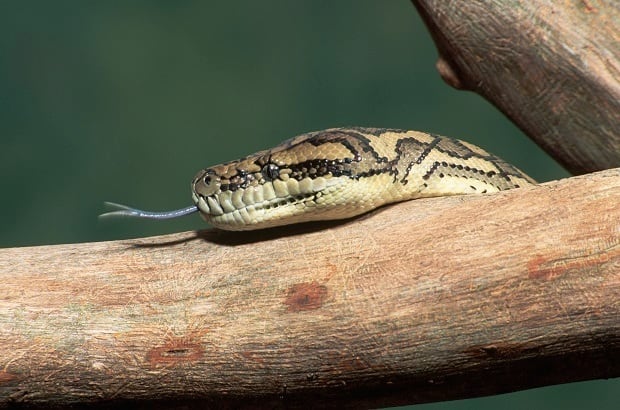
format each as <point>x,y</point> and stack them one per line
<point>268,213</point>
<point>271,205</point>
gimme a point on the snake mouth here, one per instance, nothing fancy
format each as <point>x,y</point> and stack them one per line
<point>222,213</point>
<point>265,204</point>
<point>216,206</point>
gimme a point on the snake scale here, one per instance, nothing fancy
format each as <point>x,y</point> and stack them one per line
<point>338,173</point>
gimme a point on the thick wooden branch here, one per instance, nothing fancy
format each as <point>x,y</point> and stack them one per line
<point>552,67</point>
<point>426,300</point>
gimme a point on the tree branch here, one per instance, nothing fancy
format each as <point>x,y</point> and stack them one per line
<point>426,300</point>
<point>552,67</point>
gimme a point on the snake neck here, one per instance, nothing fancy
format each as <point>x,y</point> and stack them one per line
<point>427,165</point>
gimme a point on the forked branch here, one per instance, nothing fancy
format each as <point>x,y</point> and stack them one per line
<point>552,67</point>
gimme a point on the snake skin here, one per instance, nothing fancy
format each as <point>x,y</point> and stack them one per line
<point>344,172</point>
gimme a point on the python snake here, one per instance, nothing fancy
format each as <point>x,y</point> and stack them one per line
<point>338,173</point>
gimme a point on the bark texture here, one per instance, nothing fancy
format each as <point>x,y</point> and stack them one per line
<point>553,67</point>
<point>426,300</point>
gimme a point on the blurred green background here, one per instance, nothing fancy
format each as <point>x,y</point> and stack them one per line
<point>126,101</point>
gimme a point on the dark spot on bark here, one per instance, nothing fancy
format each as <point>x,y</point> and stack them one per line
<point>6,377</point>
<point>305,296</point>
<point>175,352</point>
<point>550,267</point>
<point>252,356</point>
<point>502,350</point>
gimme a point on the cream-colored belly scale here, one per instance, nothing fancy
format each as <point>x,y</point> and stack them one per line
<point>339,173</point>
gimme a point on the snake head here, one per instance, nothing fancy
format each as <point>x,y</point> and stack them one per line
<point>297,181</point>
<point>265,190</point>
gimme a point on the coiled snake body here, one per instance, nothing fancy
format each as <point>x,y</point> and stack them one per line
<point>339,173</point>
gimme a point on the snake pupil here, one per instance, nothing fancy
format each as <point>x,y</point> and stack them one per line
<point>270,172</point>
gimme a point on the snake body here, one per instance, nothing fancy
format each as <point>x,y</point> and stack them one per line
<point>339,173</point>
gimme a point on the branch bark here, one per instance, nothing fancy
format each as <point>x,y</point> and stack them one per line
<point>552,67</point>
<point>426,300</point>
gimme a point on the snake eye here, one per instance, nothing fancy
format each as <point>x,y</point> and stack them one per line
<point>270,172</point>
<point>207,179</point>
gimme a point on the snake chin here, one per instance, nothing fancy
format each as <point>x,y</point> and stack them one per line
<point>281,202</point>
<point>225,215</point>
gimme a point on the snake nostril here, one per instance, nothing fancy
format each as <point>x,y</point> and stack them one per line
<point>206,183</point>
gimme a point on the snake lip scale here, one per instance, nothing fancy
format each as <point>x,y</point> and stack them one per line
<point>338,173</point>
